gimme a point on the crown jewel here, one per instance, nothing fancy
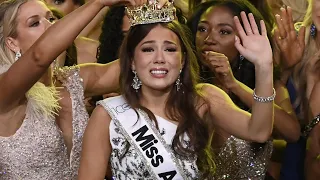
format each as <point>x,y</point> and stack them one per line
<point>150,13</point>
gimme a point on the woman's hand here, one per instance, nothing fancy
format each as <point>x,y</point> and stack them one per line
<point>290,45</point>
<point>255,46</point>
<point>219,64</point>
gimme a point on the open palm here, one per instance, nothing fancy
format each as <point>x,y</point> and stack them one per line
<point>290,45</point>
<point>255,46</point>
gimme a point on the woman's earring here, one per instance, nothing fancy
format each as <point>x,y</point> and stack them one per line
<point>178,82</point>
<point>18,55</point>
<point>313,30</point>
<point>241,59</point>
<point>136,81</point>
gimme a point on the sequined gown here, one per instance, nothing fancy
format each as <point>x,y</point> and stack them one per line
<point>37,149</point>
<point>128,164</point>
<point>239,160</point>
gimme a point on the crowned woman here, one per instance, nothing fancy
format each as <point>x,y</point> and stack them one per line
<point>159,128</point>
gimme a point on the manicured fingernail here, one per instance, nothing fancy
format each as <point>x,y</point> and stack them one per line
<point>236,37</point>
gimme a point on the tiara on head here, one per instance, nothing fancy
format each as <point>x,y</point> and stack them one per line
<point>150,13</point>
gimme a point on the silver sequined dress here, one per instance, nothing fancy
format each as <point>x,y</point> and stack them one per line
<point>240,160</point>
<point>70,78</point>
<point>37,150</point>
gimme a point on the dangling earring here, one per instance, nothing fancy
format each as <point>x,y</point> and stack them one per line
<point>313,30</point>
<point>178,83</point>
<point>136,81</point>
<point>18,55</point>
<point>241,59</point>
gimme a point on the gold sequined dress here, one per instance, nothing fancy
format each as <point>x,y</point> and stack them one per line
<point>37,150</point>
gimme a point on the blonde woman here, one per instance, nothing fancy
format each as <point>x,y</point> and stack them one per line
<point>300,63</point>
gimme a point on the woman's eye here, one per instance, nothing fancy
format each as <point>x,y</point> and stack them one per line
<point>58,2</point>
<point>35,24</point>
<point>53,19</point>
<point>225,32</point>
<point>202,29</point>
<point>147,49</point>
<point>171,49</point>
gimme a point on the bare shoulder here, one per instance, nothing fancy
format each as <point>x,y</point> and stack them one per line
<point>210,91</point>
<point>100,116</point>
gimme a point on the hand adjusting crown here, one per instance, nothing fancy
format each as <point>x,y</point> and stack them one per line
<point>149,13</point>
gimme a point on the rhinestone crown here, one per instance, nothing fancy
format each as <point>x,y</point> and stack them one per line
<point>150,13</point>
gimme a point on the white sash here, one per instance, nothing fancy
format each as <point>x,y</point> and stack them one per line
<point>143,135</point>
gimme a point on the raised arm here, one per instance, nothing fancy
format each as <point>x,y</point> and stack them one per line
<point>96,148</point>
<point>255,48</point>
<point>285,121</point>
<point>23,74</point>
<point>100,79</point>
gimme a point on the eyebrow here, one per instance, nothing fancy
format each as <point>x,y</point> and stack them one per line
<point>220,24</point>
<point>165,42</point>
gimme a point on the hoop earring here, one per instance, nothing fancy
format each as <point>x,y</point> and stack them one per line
<point>18,55</point>
<point>136,84</point>
<point>241,60</point>
<point>178,83</point>
<point>313,31</point>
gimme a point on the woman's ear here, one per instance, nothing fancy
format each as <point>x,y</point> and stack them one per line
<point>133,67</point>
<point>12,44</point>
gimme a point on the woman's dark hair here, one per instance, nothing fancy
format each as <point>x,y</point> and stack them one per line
<point>261,5</point>
<point>265,10</point>
<point>111,36</point>
<point>110,39</point>
<point>71,52</point>
<point>180,105</point>
<point>243,70</point>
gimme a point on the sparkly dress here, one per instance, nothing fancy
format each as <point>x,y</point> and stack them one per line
<point>37,150</point>
<point>126,161</point>
<point>70,78</point>
<point>239,160</point>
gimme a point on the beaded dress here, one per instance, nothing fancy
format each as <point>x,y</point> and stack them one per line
<point>37,149</point>
<point>126,161</point>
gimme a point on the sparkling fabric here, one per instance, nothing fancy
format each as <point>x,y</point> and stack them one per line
<point>35,151</point>
<point>240,160</point>
<point>70,78</point>
<point>127,163</point>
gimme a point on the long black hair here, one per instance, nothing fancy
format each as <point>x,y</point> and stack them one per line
<point>111,36</point>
